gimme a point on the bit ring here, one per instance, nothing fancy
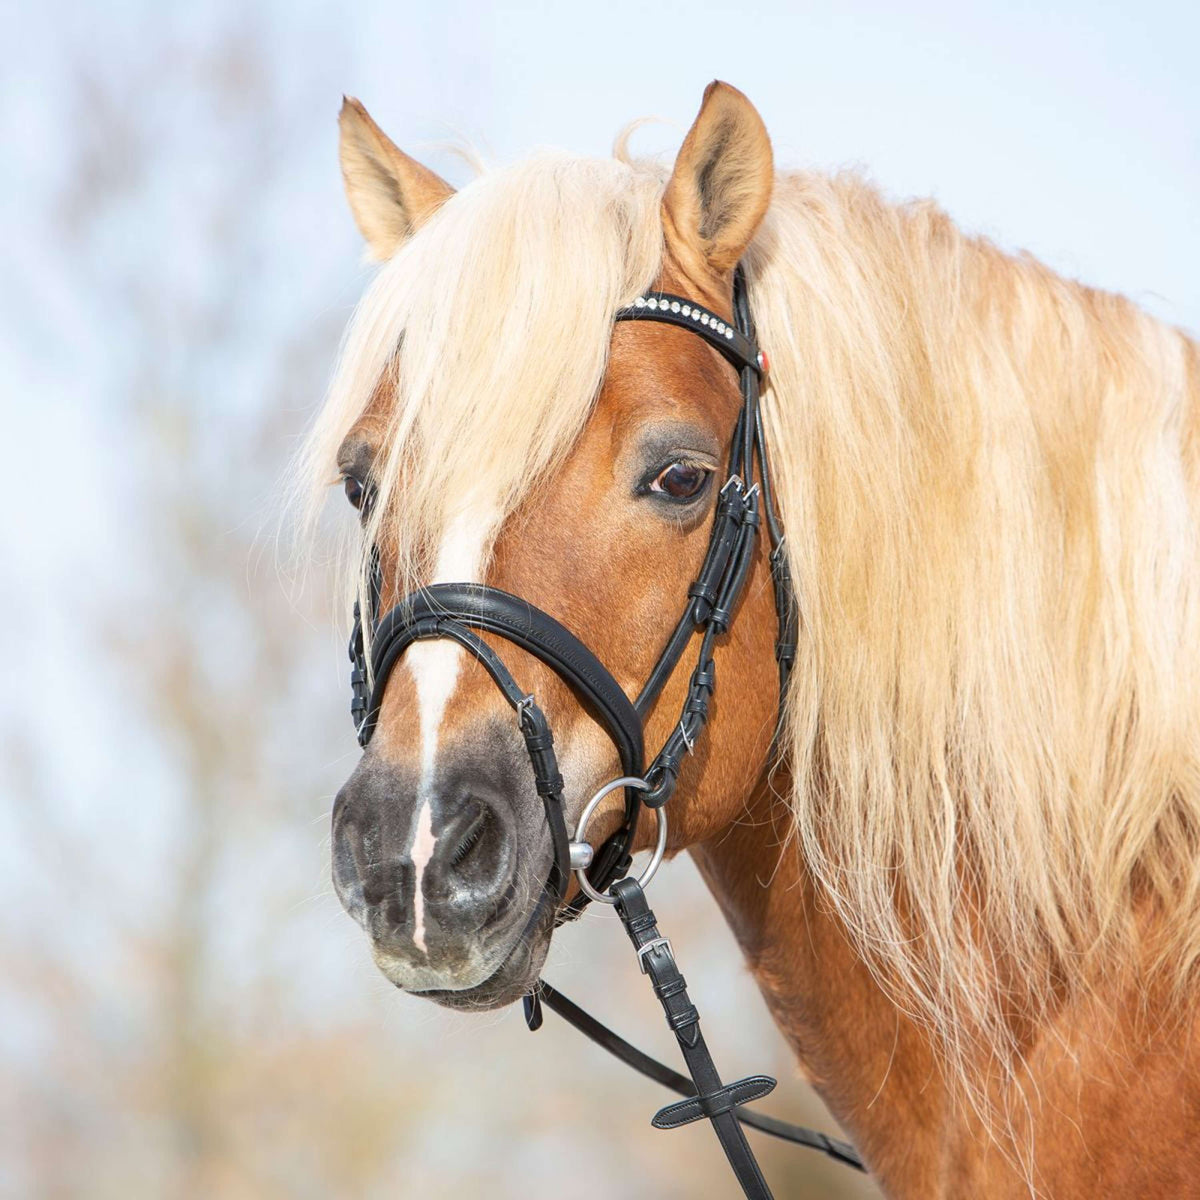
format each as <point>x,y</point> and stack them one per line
<point>660,845</point>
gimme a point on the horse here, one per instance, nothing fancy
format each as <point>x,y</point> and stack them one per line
<point>960,853</point>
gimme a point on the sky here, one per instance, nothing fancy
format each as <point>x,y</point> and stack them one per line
<point>1069,130</point>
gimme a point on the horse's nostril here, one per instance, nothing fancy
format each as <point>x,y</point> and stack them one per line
<point>404,885</point>
<point>373,890</point>
<point>468,875</point>
<point>385,881</point>
<point>471,838</point>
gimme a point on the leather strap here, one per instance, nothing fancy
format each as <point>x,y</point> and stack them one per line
<point>713,1099</point>
<point>518,621</point>
<point>651,1068</point>
<point>535,729</point>
<point>724,336</point>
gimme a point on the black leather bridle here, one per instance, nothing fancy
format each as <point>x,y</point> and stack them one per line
<point>462,611</point>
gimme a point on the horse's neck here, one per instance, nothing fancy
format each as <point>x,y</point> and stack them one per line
<point>879,1075</point>
<point>873,1068</point>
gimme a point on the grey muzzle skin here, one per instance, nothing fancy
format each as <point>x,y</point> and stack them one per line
<point>481,876</point>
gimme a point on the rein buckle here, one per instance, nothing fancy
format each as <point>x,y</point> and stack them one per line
<point>655,944</point>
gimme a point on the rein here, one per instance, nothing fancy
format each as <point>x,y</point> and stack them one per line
<point>461,611</point>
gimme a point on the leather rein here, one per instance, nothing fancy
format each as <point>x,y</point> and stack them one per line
<point>461,612</point>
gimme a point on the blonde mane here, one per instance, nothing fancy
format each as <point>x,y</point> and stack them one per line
<point>989,478</point>
<point>504,305</point>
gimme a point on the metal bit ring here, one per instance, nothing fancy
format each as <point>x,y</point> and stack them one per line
<point>660,845</point>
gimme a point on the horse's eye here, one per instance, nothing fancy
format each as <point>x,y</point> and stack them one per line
<point>681,481</point>
<point>354,490</point>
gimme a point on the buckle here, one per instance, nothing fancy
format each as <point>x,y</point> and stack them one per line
<point>654,944</point>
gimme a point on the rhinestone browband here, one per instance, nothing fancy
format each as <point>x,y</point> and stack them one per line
<point>719,333</point>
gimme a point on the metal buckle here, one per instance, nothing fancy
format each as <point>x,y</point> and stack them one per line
<point>654,944</point>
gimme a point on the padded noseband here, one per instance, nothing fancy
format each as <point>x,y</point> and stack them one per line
<point>429,612</point>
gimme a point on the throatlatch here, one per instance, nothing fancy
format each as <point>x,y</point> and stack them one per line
<point>461,611</point>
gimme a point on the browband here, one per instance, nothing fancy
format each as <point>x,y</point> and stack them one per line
<point>669,309</point>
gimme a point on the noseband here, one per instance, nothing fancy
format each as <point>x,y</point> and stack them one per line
<point>462,612</point>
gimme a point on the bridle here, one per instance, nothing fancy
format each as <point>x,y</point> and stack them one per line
<point>462,611</point>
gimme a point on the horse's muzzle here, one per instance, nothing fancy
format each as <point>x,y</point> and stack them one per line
<point>432,868</point>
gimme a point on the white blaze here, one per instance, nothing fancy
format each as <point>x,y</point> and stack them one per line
<point>434,666</point>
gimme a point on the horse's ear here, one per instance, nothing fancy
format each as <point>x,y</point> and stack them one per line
<point>390,194</point>
<point>720,187</point>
